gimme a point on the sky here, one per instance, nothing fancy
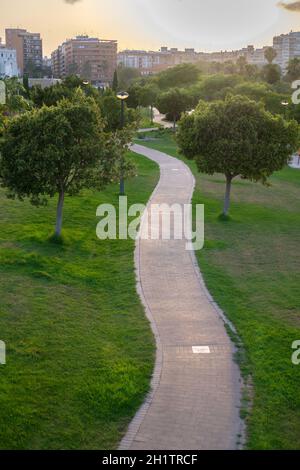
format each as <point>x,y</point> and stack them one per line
<point>206,25</point>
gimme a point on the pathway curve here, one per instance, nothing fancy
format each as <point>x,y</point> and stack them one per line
<point>195,398</point>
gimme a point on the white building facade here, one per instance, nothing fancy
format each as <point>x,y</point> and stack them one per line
<point>8,63</point>
<point>287,47</point>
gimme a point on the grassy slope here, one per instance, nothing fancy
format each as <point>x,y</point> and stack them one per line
<point>79,349</point>
<point>251,266</point>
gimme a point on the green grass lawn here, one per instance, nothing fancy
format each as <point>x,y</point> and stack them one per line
<point>251,265</point>
<point>80,351</point>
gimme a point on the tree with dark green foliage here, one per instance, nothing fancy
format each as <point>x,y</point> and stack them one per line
<point>237,137</point>
<point>216,86</point>
<point>72,69</point>
<point>115,83</point>
<point>271,73</point>
<point>126,76</point>
<point>16,98</point>
<point>293,70</point>
<point>241,63</point>
<point>111,110</point>
<point>251,71</point>
<point>59,149</point>
<point>147,97</point>
<point>134,92</point>
<point>173,103</point>
<point>50,96</point>
<point>32,70</point>
<point>270,54</point>
<point>179,76</point>
<point>26,84</point>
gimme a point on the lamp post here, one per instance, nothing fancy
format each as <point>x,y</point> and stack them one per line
<point>285,105</point>
<point>122,96</point>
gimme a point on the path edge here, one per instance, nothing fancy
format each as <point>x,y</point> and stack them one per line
<point>137,420</point>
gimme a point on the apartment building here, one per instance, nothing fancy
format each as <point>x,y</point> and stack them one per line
<point>287,47</point>
<point>150,62</point>
<point>90,58</point>
<point>8,62</point>
<point>147,62</point>
<point>28,46</point>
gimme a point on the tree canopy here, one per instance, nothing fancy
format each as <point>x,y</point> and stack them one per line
<point>270,54</point>
<point>180,75</point>
<point>173,103</point>
<point>237,137</point>
<point>58,149</point>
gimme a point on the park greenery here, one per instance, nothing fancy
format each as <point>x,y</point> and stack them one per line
<point>80,349</point>
<point>251,266</point>
<point>64,148</point>
<point>83,355</point>
<point>89,149</point>
<point>237,137</point>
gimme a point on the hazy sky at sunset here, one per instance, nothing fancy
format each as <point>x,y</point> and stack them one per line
<point>205,25</point>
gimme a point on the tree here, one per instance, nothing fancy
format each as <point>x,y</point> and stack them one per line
<point>51,95</point>
<point>134,92</point>
<point>15,98</point>
<point>216,86</point>
<point>241,63</point>
<point>252,71</point>
<point>254,91</point>
<point>179,76</point>
<point>72,69</point>
<point>237,137</point>
<point>293,70</point>
<point>174,102</point>
<point>26,84</point>
<point>111,110</point>
<point>32,70</point>
<point>59,149</point>
<point>270,54</point>
<point>115,83</point>
<point>271,73</point>
<point>147,97</point>
<point>126,76</point>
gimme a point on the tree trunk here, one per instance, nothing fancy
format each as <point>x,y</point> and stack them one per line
<point>59,213</point>
<point>151,111</point>
<point>227,195</point>
<point>174,124</point>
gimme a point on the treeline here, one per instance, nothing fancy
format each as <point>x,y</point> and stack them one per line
<point>179,89</point>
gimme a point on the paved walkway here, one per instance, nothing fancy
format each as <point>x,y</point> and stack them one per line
<point>195,397</point>
<point>295,163</point>
<point>160,119</point>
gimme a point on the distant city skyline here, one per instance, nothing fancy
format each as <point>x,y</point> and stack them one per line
<point>206,26</point>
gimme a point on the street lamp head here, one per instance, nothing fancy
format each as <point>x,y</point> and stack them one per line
<point>85,82</point>
<point>284,103</point>
<point>122,95</point>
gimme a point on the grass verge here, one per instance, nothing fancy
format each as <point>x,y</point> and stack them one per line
<point>80,351</point>
<point>251,266</point>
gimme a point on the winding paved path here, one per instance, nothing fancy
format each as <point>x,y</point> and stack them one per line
<point>195,398</point>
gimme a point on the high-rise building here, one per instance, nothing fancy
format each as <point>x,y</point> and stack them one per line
<point>287,47</point>
<point>29,48</point>
<point>8,62</point>
<point>90,58</point>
